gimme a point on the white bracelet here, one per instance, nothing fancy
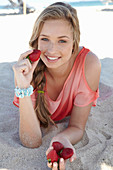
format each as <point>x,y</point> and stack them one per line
<point>21,93</point>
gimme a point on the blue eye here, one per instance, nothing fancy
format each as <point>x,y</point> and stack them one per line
<point>62,41</point>
<point>44,39</point>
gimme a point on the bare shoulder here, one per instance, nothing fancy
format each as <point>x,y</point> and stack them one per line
<point>93,60</point>
<point>92,70</point>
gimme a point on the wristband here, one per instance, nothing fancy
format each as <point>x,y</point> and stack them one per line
<point>21,93</point>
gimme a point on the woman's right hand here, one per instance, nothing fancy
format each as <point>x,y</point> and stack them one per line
<point>23,70</point>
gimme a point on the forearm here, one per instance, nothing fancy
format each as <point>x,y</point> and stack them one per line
<point>73,134</point>
<point>29,129</point>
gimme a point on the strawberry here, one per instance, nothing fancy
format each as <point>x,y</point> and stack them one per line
<point>66,153</point>
<point>52,156</point>
<point>57,146</point>
<point>34,56</point>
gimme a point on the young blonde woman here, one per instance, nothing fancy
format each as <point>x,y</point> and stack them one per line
<point>65,80</point>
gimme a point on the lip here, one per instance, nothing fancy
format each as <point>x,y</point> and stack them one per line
<point>54,59</point>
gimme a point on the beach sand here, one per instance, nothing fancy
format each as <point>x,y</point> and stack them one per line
<point>95,150</point>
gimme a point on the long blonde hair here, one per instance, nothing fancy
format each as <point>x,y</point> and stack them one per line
<point>58,10</point>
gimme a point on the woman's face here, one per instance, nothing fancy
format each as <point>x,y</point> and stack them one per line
<point>56,43</point>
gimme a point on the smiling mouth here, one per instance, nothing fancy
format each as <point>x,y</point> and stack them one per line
<point>52,58</point>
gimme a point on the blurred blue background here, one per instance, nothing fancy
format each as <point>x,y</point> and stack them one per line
<point>37,4</point>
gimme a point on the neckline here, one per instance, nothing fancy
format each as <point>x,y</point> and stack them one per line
<point>58,98</point>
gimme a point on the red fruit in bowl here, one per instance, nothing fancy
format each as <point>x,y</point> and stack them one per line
<point>52,156</point>
<point>34,56</point>
<point>57,146</point>
<point>66,153</point>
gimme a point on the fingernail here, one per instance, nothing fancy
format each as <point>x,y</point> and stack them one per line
<point>72,159</point>
<point>61,159</point>
<point>55,164</point>
<point>50,164</point>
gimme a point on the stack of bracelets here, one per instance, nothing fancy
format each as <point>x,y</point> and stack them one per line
<point>21,93</point>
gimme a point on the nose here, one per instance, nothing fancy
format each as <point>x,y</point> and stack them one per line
<point>52,48</point>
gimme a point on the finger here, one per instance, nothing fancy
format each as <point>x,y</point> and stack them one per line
<point>55,166</point>
<point>49,164</point>
<point>23,69</point>
<point>62,164</point>
<point>25,62</point>
<point>73,157</point>
<point>24,55</point>
<point>34,64</point>
<point>49,149</point>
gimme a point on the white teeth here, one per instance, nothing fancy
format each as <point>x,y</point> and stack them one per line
<point>51,58</point>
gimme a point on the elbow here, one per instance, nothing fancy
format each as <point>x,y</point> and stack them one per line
<point>31,142</point>
<point>81,133</point>
<point>32,145</point>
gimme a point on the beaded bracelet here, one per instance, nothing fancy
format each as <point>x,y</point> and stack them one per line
<point>21,93</point>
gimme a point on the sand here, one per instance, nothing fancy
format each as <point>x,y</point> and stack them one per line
<point>95,150</point>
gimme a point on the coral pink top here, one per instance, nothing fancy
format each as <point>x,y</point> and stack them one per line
<point>74,92</point>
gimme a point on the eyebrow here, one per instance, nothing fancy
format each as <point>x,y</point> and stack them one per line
<point>63,36</point>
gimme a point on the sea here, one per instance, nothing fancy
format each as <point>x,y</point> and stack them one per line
<point>37,4</point>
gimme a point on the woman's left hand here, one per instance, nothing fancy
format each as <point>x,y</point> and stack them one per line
<point>62,162</point>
